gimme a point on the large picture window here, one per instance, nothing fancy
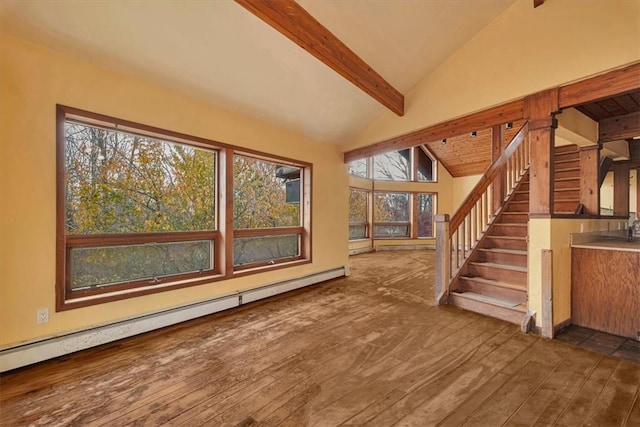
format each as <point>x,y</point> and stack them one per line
<point>358,214</point>
<point>138,210</point>
<point>391,214</point>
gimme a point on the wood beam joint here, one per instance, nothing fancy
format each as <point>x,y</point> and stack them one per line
<point>291,20</point>
<point>620,127</point>
<point>537,3</point>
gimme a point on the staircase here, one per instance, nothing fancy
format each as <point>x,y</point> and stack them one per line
<point>566,194</point>
<point>492,279</point>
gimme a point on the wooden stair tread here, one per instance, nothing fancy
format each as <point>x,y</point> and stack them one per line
<point>568,179</point>
<point>503,251</point>
<point>566,189</point>
<point>512,224</point>
<point>496,283</point>
<point>492,300</point>
<point>501,266</point>
<point>508,237</point>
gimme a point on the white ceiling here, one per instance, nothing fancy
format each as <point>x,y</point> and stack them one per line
<point>218,51</point>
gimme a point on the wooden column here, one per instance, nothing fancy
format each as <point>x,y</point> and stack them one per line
<point>443,258</point>
<point>546,261</point>
<point>638,192</point>
<point>589,188</point>
<point>540,109</point>
<point>621,188</point>
<point>499,186</point>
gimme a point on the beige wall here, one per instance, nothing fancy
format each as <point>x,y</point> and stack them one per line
<point>32,81</point>
<point>523,51</point>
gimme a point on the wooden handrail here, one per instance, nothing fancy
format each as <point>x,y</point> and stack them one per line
<point>496,167</point>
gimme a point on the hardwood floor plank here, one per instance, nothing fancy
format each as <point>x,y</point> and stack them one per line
<point>369,349</point>
<point>617,397</point>
<point>576,412</point>
<point>569,370</point>
<point>633,418</point>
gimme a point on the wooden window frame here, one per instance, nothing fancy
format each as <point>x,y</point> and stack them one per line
<point>367,223</point>
<point>434,164</point>
<point>408,223</point>
<point>222,237</point>
<point>415,212</point>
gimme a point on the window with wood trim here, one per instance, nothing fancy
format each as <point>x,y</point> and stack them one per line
<point>391,214</point>
<point>425,209</point>
<point>138,210</point>
<point>359,167</point>
<point>425,165</point>
<point>393,166</point>
<point>358,214</point>
<point>267,214</point>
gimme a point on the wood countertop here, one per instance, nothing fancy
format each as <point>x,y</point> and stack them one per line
<point>609,244</point>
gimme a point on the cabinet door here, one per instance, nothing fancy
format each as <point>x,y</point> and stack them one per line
<point>605,291</point>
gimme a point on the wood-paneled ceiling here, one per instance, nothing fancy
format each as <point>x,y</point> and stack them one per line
<point>612,107</point>
<point>465,155</point>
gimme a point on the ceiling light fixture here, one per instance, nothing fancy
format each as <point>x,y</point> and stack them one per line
<point>474,134</point>
<point>509,125</point>
<point>444,141</point>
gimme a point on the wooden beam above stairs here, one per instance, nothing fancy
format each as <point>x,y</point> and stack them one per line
<point>291,20</point>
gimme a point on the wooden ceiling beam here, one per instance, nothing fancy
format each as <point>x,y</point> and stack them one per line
<point>291,20</point>
<point>620,127</point>
<point>606,85</point>
<point>509,112</point>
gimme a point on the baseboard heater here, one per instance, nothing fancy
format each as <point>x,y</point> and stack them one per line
<point>27,354</point>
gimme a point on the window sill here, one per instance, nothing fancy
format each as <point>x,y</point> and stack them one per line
<point>104,297</point>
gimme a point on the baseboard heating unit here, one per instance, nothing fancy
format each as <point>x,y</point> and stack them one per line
<point>48,348</point>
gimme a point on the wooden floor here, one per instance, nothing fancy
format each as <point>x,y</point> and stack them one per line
<point>369,349</point>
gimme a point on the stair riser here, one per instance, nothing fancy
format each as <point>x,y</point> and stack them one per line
<point>503,313</point>
<point>520,197</point>
<point>520,245</point>
<point>500,274</point>
<point>569,194</point>
<point>524,186</point>
<point>569,173</point>
<point>566,156</point>
<point>567,164</point>
<point>503,258</point>
<point>511,217</point>
<point>517,207</point>
<point>571,183</point>
<point>508,230</point>
<point>568,148</point>
<point>519,296</point>
<point>560,206</point>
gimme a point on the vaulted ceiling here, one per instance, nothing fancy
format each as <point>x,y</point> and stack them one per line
<point>220,52</point>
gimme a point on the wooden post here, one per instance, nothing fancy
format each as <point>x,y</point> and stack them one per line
<point>638,192</point>
<point>621,188</point>
<point>443,258</point>
<point>546,261</point>
<point>499,187</point>
<point>589,188</point>
<point>540,109</point>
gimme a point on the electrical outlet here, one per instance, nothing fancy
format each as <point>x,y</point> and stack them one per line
<point>42,316</point>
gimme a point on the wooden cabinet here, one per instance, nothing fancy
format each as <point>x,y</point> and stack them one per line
<point>605,291</point>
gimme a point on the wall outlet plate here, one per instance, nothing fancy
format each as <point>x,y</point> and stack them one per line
<point>42,315</point>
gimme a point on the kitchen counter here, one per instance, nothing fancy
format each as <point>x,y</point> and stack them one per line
<point>609,244</point>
